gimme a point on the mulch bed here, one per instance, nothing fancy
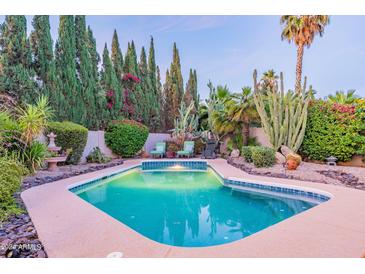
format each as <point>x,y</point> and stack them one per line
<point>18,236</point>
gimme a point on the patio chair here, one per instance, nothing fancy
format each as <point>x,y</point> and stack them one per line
<point>209,150</point>
<point>188,149</point>
<point>160,150</point>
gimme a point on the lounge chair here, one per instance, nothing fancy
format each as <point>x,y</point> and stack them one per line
<point>160,150</point>
<point>209,150</point>
<point>188,149</point>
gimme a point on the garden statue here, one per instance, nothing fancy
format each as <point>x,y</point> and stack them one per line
<point>54,152</point>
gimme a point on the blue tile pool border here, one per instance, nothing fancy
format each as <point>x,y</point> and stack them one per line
<point>203,166</point>
<point>163,165</point>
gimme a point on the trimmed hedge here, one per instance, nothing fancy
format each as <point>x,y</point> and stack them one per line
<point>333,130</point>
<point>126,137</point>
<point>263,156</point>
<point>70,136</point>
<point>11,174</point>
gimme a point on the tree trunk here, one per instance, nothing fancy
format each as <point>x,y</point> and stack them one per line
<point>245,132</point>
<point>299,67</point>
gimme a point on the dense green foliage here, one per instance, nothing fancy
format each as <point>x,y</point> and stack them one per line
<point>125,138</point>
<point>11,173</point>
<point>263,156</point>
<point>247,153</point>
<point>16,74</point>
<point>96,156</point>
<point>68,74</point>
<point>70,136</point>
<point>333,130</point>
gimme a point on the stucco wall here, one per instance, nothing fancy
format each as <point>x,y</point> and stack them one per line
<point>260,135</point>
<point>96,139</point>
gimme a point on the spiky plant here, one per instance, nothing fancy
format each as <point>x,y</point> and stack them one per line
<point>186,125</point>
<point>341,97</point>
<point>283,114</point>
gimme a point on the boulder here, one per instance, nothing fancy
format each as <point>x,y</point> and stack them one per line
<point>235,153</point>
<point>285,150</point>
<point>280,158</point>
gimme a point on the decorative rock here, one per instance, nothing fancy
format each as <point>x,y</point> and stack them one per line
<point>285,150</point>
<point>280,158</point>
<point>235,153</point>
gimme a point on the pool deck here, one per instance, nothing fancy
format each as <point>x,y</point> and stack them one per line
<point>71,227</point>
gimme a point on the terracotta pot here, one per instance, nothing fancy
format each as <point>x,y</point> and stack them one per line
<point>291,164</point>
<point>170,154</point>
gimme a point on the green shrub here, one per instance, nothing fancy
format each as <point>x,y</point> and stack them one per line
<point>33,156</point>
<point>11,173</point>
<point>70,136</point>
<point>247,153</point>
<point>263,156</point>
<point>126,137</point>
<point>96,156</point>
<point>333,130</point>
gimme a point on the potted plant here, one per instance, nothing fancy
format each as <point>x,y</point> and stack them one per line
<point>172,148</point>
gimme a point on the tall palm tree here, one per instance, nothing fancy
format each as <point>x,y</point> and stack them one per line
<point>301,29</point>
<point>343,98</point>
<point>241,109</point>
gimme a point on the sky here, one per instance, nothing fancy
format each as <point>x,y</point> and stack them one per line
<point>226,49</point>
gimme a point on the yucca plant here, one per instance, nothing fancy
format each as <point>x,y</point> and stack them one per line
<point>33,119</point>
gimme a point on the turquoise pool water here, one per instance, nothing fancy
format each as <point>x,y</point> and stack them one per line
<point>190,209</point>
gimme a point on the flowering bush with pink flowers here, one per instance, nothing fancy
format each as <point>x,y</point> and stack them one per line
<point>333,130</point>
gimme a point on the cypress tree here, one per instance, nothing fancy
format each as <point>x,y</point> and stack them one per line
<point>155,102</point>
<point>16,74</point>
<point>117,57</point>
<point>94,55</point>
<point>72,107</point>
<point>195,93</point>
<point>176,75</point>
<point>146,89</point>
<point>131,66</point>
<point>161,100</point>
<point>43,59</point>
<point>169,95</point>
<point>189,90</point>
<point>102,112</point>
<point>111,87</point>
<point>85,71</point>
<point>176,90</point>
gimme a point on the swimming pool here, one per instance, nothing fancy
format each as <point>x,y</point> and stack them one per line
<point>188,207</point>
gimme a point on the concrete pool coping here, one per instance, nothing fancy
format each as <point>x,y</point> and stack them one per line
<point>71,227</point>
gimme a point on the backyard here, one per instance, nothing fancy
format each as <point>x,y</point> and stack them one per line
<point>101,156</point>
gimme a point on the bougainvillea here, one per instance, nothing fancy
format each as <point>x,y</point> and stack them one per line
<point>131,77</point>
<point>333,130</point>
<point>110,99</point>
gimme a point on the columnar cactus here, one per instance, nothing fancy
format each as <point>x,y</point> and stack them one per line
<point>283,114</point>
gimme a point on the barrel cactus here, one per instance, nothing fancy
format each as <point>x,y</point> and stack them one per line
<point>283,114</point>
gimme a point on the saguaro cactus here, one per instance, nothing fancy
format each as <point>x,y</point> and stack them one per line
<point>283,114</point>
